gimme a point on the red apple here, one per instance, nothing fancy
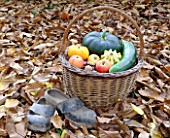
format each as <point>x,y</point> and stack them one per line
<point>93,58</point>
<point>77,61</point>
<point>103,66</point>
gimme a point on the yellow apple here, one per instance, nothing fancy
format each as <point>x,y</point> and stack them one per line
<point>93,58</point>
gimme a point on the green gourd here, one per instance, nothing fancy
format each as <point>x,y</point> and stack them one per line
<point>98,42</point>
<point>128,58</point>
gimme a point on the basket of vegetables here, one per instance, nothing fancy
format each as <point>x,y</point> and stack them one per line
<point>102,68</point>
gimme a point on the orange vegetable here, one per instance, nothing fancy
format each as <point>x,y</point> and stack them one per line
<point>78,50</point>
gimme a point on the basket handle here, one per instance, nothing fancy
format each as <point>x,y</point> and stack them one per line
<point>63,46</point>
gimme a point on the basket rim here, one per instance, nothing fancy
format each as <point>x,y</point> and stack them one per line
<point>64,62</point>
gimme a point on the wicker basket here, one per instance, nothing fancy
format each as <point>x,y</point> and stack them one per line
<point>99,89</point>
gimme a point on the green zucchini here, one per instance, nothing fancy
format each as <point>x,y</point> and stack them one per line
<point>128,58</point>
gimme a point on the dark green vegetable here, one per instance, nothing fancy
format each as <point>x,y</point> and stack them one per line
<point>97,42</point>
<point>128,58</point>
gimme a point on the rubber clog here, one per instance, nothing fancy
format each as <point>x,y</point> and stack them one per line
<point>61,101</point>
<point>42,108</point>
<point>72,108</point>
<point>38,129</point>
<point>81,115</point>
<point>37,119</point>
<point>39,116</point>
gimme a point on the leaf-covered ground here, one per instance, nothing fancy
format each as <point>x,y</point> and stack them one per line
<point>30,36</point>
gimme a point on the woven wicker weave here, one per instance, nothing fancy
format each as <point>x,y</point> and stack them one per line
<point>93,88</point>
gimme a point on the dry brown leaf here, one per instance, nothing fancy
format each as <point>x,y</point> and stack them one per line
<point>17,67</point>
<point>57,121</point>
<point>133,123</point>
<point>2,111</point>
<point>167,67</point>
<point>10,127</point>
<point>153,61</point>
<point>104,119</point>
<point>4,96</point>
<point>144,75</point>
<point>4,84</point>
<point>54,135</point>
<point>21,128</point>
<point>151,94</point>
<point>41,77</point>
<point>144,134</point>
<point>3,133</point>
<point>165,131</point>
<point>64,15</point>
<point>156,134</point>
<point>42,46</point>
<point>122,125</point>
<point>79,133</point>
<point>11,103</point>
<point>16,114</point>
<point>160,73</point>
<point>109,134</point>
<point>150,86</point>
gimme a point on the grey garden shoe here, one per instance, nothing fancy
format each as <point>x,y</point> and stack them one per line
<point>38,129</point>
<point>42,108</point>
<point>61,101</point>
<point>39,115</point>
<point>82,116</point>
<point>73,108</point>
<point>37,119</point>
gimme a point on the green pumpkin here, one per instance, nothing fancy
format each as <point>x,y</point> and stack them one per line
<point>98,42</point>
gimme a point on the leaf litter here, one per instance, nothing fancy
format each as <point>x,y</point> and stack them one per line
<point>30,35</point>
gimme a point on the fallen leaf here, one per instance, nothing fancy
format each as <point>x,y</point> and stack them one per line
<point>3,9</point>
<point>64,15</point>
<point>160,73</point>
<point>137,109</point>
<point>54,135</point>
<point>144,134</point>
<point>21,128</point>
<point>167,68</point>
<point>10,127</point>
<point>156,134</point>
<point>153,61</point>
<point>151,94</point>
<point>2,111</point>
<point>4,96</point>
<point>79,133</point>
<point>109,134</point>
<point>104,119</point>
<point>3,133</point>
<point>64,134</point>
<point>42,46</point>
<point>122,125</point>
<point>17,67</point>
<point>164,130</point>
<point>57,121</point>
<point>16,114</point>
<point>11,103</point>
<point>133,123</point>
<point>4,84</point>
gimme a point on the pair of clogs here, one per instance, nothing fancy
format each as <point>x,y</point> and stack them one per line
<point>73,109</point>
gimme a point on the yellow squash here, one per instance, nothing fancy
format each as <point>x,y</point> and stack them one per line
<point>78,50</point>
